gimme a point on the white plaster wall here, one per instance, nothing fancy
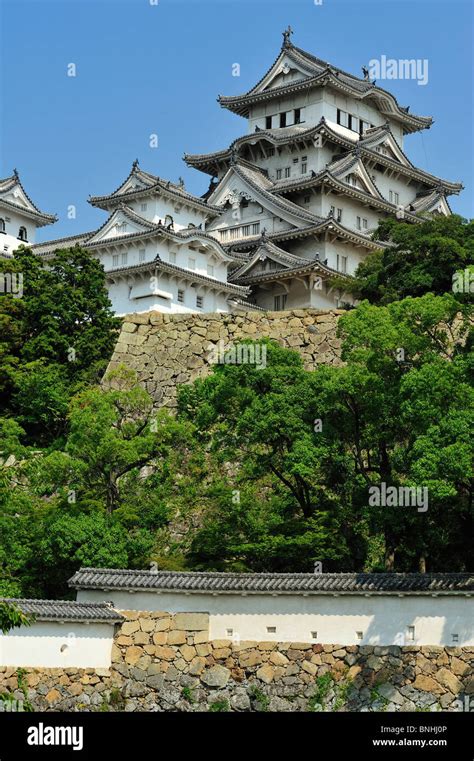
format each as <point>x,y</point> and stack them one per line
<point>39,645</point>
<point>158,207</point>
<point>9,239</point>
<point>383,620</point>
<point>141,294</point>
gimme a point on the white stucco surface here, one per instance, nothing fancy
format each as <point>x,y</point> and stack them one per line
<point>383,620</point>
<point>51,644</point>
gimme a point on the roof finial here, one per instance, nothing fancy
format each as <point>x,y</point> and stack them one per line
<point>180,182</point>
<point>365,72</point>
<point>15,174</point>
<point>135,164</point>
<point>286,37</point>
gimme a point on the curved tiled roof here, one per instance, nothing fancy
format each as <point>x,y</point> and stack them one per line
<point>66,610</point>
<point>258,180</point>
<point>173,269</point>
<point>150,182</point>
<point>205,161</point>
<point>10,182</point>
<point>321,72</point>
<point>299,583</point>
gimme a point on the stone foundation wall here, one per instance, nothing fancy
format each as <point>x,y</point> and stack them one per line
<point>167,350</point>
<point>164,662</point>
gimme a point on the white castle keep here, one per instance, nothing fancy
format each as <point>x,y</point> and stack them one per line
<point>291,204</point>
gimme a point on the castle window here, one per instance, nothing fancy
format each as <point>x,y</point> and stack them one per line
<point>354,123</point>
<point>143,206</point>
<point>411,633</point>
<point>2,225</point>
<point>256,228</point>
<point>363,126</point>
<point>199,302</point>
<point>223,234</point>
<point>306,199</point>
<point>271,629</point>
<point>341,265</point>
<point>245,231</point>
<point>283,119</point>
<point>297,115</point>
<point>180,297</point>
<point>172,257</point>
<point>279,173</point>
<point>342,118</point>
<point>295,161</point>
<point>287,171</point>
<point>304,166</point>
<point>279,302</point>
<point>360,635</point>
<point>210,270</point>
<point>124,258</point>
<point>268,122</point>
<point>115,260</point>
<point>141,255</point>
<point>314,635</point>
<point>191,263</point>
<point>22,233</point>
<point>270,151</point>
<point>455,637</point>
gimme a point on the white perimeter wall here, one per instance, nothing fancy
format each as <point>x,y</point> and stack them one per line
<point>39,645</point>
<point>383,620</point>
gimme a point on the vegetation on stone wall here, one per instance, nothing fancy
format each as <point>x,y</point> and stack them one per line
<point>263,467</point>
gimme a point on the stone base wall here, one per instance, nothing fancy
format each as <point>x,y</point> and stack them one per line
<point>164,662</point>
<point>167,350</point>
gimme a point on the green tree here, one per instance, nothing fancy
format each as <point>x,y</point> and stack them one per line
<point>55,339</point>
<point>421,258</point>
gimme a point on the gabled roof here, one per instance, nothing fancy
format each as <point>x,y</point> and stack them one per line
<point>212,162</point>
<point>123,212</point>
<point>309,267</point>
<point>430,200</point>
<point>140,183</point>
<point>275,583</point>
<point>13,196</point>
<point>314,72</point>
<point>258,181</point>
<point>146,230</point>
<point>268,250</point>
<point>67,610</point>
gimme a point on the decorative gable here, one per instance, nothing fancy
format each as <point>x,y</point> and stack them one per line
<point>122,222</point>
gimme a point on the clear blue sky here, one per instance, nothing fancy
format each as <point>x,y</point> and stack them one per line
<point>145,69</point>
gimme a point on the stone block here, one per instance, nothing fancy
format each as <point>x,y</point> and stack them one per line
<point>191,621</point>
